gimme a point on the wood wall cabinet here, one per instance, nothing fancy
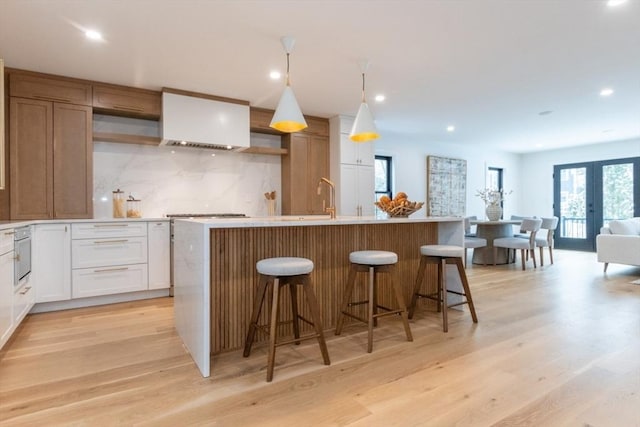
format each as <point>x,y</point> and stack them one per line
<point>51,151</point>
<point>43,87</point>
<point>127,102</point>
<point>306,162</point>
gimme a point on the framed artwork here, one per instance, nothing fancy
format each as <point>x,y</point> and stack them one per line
<point>446,186</point>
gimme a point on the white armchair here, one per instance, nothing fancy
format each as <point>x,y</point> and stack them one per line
<point>619,243</point>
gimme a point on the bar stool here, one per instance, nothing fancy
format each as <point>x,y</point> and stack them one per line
<point>373,262</point>
<point>279,272</point>
<point>442,255</point>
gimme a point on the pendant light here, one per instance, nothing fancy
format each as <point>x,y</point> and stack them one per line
<point>288,117</point>
<point>364,129</point>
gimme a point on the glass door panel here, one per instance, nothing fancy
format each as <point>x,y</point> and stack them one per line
<point>617,192</point>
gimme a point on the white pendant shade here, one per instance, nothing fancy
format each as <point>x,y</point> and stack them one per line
<point>364,129</point>
<point>288,117</point>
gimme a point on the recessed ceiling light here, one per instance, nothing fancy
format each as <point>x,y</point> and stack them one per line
<point>93,35</point>
<point>379,98</point>
<point>213,154</point>
<point>275,75</point>
<point>606,92</point>
<point>229,147</point>
<point>545,113</point>
<point>614,3</point>
<point>451,128</point>
<point>173,151</point>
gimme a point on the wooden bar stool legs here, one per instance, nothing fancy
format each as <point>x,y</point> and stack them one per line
<point>442,255</point>
<point>284,273</point>
<point>359,264</point>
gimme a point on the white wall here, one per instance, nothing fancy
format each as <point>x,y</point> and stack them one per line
<point>186,181</point>
<point>410,169</point>
<point>537,170</point>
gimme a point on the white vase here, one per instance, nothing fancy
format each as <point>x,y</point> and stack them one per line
<point>494,212</point>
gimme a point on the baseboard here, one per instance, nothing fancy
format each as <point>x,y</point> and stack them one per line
<point>44,307</point>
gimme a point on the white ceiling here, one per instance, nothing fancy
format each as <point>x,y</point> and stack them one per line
<point>486,66</point>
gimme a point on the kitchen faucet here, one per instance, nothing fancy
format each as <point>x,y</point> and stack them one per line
<point>332,197</point>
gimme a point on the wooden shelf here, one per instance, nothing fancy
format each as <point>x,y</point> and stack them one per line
<point>266,150</point>
<point>126,138</point>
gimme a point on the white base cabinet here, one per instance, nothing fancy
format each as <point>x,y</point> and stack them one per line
<point>6,285</point>
<point>91,282</point>
<point>108,258</point>
<point>51,269</point>
<point>159,261</point>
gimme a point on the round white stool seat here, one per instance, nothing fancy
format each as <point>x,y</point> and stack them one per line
<point>445,251</point>
<point>373,257</point>
<point>284,266</point>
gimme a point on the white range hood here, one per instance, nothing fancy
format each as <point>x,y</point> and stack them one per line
<point>202,121</point>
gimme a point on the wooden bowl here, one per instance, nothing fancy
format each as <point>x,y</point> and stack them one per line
<point>400,211</point>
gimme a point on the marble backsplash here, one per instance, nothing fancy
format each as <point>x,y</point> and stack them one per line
<point>185,180</point>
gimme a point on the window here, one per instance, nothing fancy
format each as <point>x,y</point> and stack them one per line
<point>383,176</point>
<point>494,178</point>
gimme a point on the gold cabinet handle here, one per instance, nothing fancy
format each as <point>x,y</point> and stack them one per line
<point>9,233</point>
<point>108,270</point>
<point>110,225</point>
<point>101,242</point>
<point>25,290</point>
<point>17,257</point>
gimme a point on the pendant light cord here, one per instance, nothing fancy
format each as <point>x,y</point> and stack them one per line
<point>288,82</point>
<point>363,99</point>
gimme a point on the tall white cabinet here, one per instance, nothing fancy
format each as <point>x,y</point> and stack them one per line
<point>159,244</point>
<point>352,170</point>
<point>52,262</point>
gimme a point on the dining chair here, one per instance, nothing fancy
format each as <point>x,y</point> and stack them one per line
<point>467,225</point>
<point>549,224</point>
<point>473,243</point>
<point>526,246</point>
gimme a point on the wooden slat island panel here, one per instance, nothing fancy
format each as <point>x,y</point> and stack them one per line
<point>235,251</point>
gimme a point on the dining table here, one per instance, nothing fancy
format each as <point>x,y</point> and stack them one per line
<point>491,230</point>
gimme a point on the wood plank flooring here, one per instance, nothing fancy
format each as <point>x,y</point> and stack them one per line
<point>554,346</point>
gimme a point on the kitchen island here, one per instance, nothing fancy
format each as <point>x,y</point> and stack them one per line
<point>215,276</point>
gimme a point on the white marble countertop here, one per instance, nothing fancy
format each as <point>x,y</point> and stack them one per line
<point>20,223</point>
<point>308,220</point>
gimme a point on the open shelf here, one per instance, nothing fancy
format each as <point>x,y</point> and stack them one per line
<point>126,138</point>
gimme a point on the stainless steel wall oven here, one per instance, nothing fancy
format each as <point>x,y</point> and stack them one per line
<point>22,247</point>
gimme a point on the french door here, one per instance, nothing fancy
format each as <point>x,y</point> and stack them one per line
<point>587,196</point>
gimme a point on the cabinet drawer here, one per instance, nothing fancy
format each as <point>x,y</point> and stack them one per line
<point>93,230</point>
<point>128,102</point>
<point>23,299</point>
<point>108,252</point>
<point>6,240</point>
<point>89,282</point>
<point>49,89</point>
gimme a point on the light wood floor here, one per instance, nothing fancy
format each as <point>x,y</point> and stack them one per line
<point>555,346</point>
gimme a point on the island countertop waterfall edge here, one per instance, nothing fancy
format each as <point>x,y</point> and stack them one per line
<point>214,265</point>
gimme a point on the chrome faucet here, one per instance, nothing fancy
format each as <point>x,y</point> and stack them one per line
<point>331,209</point>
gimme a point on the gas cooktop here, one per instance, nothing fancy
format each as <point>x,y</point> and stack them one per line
<point>207,215</point>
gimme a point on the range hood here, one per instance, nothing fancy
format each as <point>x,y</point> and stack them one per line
<point>203,121</point>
